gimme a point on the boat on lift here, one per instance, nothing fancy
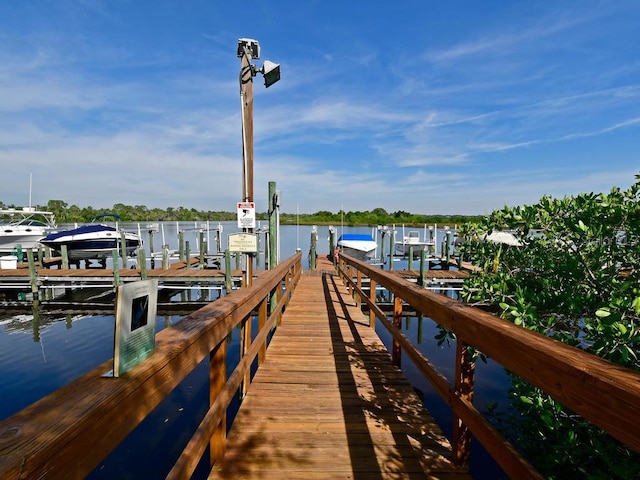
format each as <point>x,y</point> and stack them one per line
<point>23,228</point>
<point>360,246</point>
<point>93,241</point>
<point>413,242</point>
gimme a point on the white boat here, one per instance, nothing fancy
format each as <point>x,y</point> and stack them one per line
<point>23,228</point>
<point>360,246</point>
<point>92,241</point>
<point>412,241</point>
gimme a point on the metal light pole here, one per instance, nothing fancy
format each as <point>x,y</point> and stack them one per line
<point>249,49</point>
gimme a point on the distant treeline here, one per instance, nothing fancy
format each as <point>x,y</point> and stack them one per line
<point>377,216</point>
<point>140,213</point>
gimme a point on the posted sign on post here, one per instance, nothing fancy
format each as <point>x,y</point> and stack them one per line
<point>246,215</point>
<point>243,242</point>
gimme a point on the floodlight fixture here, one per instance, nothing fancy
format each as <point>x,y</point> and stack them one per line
<point>271,73</point>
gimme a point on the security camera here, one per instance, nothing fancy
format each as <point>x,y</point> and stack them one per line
<point>271,73</point>
<point>251,44</point>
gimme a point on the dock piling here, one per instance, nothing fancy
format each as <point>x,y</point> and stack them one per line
<point>116,272</point>
<point>32,274</point>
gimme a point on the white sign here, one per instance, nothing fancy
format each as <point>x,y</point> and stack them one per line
<point>246,215</point>
<point>135,324</point>
<point>243,242</point>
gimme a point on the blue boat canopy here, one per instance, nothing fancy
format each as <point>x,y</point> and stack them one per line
<point>356,237</point>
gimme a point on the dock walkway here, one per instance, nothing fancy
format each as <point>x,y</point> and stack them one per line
<point>327,403</point>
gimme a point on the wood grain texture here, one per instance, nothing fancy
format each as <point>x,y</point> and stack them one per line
<point>328,403</point>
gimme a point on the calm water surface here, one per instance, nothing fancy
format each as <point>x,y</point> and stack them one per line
<point>38,357</point>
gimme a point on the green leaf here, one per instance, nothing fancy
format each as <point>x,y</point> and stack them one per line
<point>603,312</point>
<point>636,305</point>
<point>621,327</point>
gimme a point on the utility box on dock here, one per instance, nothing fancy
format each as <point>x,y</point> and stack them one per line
<point>9,262</point>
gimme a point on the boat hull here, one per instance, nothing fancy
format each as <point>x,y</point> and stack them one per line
<point>93,249</point>
<point>91,242</point>
<point>9,242</point>
<point>412,242</point>
<point>362,247</point>
<point>404,248</point>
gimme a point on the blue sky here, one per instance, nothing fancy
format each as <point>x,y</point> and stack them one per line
<point>457,107</point>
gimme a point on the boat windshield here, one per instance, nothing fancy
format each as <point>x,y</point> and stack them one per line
<point>34,218</point>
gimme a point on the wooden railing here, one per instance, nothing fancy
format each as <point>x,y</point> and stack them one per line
<point>68,433</point>
<point>603,393</point>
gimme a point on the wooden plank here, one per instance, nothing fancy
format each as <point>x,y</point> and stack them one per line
<point>328,403</point>
<point>68,433</point>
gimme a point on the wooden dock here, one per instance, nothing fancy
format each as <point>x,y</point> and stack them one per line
<point>327,403</point>
<point>178,273</point>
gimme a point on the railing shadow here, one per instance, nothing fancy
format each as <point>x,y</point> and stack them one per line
<point>603,393</point>
<point>385,406</point>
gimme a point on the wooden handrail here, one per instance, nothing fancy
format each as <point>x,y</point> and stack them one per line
<point>50,437</point>
<point>603,393</point>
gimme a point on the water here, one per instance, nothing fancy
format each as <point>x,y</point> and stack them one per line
<point>38,357</point>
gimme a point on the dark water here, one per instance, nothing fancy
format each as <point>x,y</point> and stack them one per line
<point>38,357</point>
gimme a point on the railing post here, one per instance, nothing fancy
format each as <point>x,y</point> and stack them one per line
<point>372,297</point>
<point>262,321</point>
<point>464,380</point>
<point>245,344</point>
<point>278,295</point>
<point>217,381</point>
<point>347,271</point>
<point>356,293</point>
<point>396,354</point>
